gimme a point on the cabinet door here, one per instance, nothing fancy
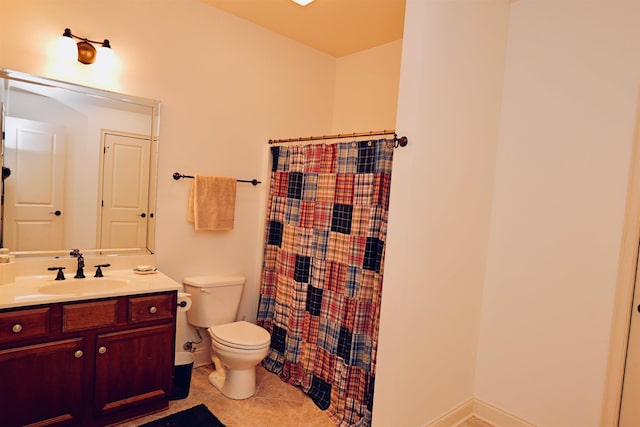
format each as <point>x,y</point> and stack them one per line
<point>133,367</point>
<point>42,384</point>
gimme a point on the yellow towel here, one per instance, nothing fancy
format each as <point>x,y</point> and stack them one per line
<point>212,203</point>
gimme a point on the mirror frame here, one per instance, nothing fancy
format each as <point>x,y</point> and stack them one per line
<point>155,107</point>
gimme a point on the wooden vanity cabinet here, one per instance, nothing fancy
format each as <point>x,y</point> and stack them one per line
<point>41,384</point>
<point>86,363</point>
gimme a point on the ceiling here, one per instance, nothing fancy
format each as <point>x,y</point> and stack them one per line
<point>336,27</point>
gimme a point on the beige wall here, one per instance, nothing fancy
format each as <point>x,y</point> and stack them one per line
<point>366,92</point>
<point>449,106</point>
<point>570,99</point>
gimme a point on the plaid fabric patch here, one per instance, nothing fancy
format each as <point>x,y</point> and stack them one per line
<point>329,158</point>
<point>280,184</point>
<point>339,247</point>
<point>270,260</point>
<point>320,245</point>
<point>310,187</point>
<point>326,189</point>
<point>344,189</point>
<point>347,158</point>
<point>322,215</point>
<point>278,209</point>
<point>304,241</point>
<point>335,277</point>
<point>313,158</point>
<point>360,219</point>
<point>322,271</point>
<point>306,214</point>
<point>363,189</point>
<point>296,159</point>
<point>332,306</point>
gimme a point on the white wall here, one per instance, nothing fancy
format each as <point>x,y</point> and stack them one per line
<point>570,90</point>
<point>449,105</point>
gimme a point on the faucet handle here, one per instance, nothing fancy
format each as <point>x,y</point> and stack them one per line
<point>75,253</point>
<point>99,269</point>
<point>60,275</point>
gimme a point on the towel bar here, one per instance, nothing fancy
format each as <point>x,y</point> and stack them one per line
<point>177,176</point>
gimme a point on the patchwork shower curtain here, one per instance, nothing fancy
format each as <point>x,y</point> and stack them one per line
<point>322,274</point>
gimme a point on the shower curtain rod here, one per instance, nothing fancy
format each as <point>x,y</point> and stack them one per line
<point>399,142</point>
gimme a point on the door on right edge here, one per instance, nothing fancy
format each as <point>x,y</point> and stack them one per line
<point>630,405</point>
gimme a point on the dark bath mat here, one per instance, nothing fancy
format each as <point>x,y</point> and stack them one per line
<point>198,416</point>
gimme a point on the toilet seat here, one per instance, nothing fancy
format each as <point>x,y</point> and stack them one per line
<point>240,335</point>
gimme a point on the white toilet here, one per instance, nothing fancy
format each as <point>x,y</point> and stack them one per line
<point>240,346</point>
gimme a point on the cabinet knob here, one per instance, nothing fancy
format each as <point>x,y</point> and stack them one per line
<point>102,350</point>
<point>78,354</point>
<point>17,328</point>
<point>153,309</point>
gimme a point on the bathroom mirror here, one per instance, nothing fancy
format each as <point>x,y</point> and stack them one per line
<point>79,168</point>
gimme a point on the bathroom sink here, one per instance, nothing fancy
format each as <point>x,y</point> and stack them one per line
<point>83,286</point>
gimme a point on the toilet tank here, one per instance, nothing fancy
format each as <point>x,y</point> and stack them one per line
<point>214,299</point>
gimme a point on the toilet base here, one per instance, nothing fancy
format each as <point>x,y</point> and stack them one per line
<point>235,383</point>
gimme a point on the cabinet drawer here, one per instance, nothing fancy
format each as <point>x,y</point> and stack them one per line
<point>24,324</point>
<point>154,307</point>
<point>89,315</point>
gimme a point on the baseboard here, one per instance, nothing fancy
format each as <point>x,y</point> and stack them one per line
<point>497,416</point>
<point>455,416</point>
<point>201,357</point>
<point>485,411</point>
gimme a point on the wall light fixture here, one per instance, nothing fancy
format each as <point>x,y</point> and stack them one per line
<point>84,51</point>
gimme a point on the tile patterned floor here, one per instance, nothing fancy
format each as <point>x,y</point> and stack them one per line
<point>475,422</point>
<point>275,404</point>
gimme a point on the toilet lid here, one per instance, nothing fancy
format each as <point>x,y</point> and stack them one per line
<point>240,335</point>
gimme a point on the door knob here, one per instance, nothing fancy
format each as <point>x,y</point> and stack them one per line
<point>102,350</point>
<point>143,215</point>
<point>56,213</point>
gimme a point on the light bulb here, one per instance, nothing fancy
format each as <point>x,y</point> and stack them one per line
<point>66,49</point>
<point>106,58</point>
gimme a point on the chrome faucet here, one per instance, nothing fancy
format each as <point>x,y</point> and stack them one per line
<point>80,271</point>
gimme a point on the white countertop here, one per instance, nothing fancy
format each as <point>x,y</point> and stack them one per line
<point>26,290</point>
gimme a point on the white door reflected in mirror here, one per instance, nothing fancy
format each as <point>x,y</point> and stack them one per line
<point>125,179</point>
<point>34,193</point>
